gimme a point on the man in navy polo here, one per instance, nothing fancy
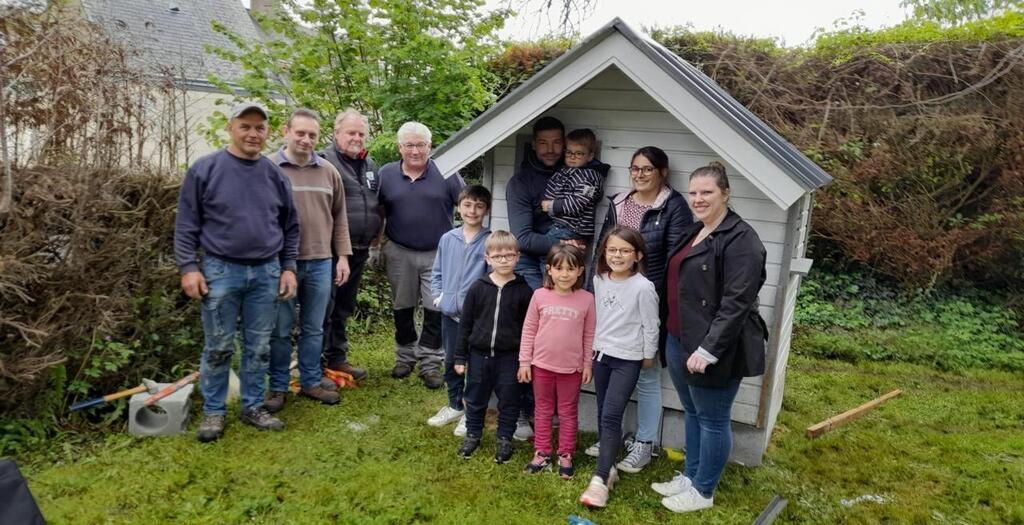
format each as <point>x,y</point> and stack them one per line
<point>418,204</point>
<point>236,205</point>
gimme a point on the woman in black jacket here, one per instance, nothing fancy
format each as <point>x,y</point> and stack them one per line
<point>715,335</point>
<point>660,214</point>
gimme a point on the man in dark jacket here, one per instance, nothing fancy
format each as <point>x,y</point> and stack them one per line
<point>347,153</point>
<point>524,193</point>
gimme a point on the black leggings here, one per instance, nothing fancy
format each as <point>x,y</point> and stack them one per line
<point>614,381</point>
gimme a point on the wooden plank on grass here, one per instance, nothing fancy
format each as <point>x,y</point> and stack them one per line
<point>818,429</point>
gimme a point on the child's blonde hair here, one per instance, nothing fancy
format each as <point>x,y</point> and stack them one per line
<point>500,240</point>
<point>564,253</point>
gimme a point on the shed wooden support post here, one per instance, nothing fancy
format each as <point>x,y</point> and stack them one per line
<point>818,429</point>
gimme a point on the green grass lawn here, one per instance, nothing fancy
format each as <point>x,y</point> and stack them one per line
<point>949,450</point>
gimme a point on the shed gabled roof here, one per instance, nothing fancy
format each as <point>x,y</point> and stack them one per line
<point>171,36</point>
<point>802,171</point>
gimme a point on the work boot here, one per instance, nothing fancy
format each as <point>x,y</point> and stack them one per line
<point>274,401</point>
<point>321,394</point>
<point>261,419</point>
<point>401,370</point>
<point>354,371</point>
<point>433,379</point>
<point>211,429</point>
<point>328,384</point>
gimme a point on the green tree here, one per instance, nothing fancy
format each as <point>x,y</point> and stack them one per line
<point>395,60</point>
<point>956,12</point>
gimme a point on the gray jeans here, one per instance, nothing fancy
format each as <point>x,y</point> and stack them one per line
<point>408,273</point>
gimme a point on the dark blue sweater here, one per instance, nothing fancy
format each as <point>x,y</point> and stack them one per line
<point>238,209</point>
<point>418,212</point>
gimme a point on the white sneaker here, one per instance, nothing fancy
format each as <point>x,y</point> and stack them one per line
<point>523,430</point>
<point>593,450</point>
<point>444,416</point>
<point>460,429</point>
<point>677,484</point>
<point>687,501</point>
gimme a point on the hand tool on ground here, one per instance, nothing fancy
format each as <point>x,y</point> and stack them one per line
<point>168,390</point>
<point>146,386</point>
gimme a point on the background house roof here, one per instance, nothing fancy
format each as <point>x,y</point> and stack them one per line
<point>800,168</point>
<point>172,35</point>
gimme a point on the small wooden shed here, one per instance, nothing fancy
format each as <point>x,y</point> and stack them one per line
<point>634,92</point>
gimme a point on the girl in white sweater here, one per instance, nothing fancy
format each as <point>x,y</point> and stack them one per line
<point>626,339</point>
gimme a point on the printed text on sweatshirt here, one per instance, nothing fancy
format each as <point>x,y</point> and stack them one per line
<point>558,333</point>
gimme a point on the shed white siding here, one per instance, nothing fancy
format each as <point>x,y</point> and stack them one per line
<point>624,117</point>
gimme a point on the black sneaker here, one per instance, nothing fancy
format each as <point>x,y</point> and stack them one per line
<point>503,451</point>
<point>211,429</point>
<point>274,402</point>
<point>433,380</point>
<point>261,419</point>
<point>401,370</point>
<point>469,445</point>
<point>540,463</point>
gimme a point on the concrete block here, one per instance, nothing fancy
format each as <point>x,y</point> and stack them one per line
<point>166,417</point>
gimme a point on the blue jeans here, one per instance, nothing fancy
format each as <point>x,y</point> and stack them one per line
<point>561,234</point>
<point>532,270</point>
<point>708,430</point>
<point>236,290</point>
<point>456,383</point>
<point>614,381</point>
<point>648,403</point>
<point>312,297</point>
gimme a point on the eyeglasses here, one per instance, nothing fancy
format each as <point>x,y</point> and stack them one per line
<point>504,257</point>
<point>646,170</point>
<point>575,154</point>
<point>418,145</point>
<point>619,251</point>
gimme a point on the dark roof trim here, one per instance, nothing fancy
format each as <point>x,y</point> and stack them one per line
<point>804,171</point>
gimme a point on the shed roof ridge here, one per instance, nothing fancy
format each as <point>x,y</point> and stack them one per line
<point>758,133</point>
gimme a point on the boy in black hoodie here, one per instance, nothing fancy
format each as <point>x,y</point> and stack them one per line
<point>489,331</point>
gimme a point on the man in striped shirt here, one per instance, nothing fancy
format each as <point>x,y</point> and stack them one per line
<point>323,228</point>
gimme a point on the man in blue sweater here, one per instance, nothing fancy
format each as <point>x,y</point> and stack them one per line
<point>237,206</point>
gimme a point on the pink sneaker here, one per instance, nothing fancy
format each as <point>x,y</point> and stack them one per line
<point>565,468</point>
<point>596,494</point>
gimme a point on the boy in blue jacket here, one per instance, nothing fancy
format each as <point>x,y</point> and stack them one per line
<point>458,264</point>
